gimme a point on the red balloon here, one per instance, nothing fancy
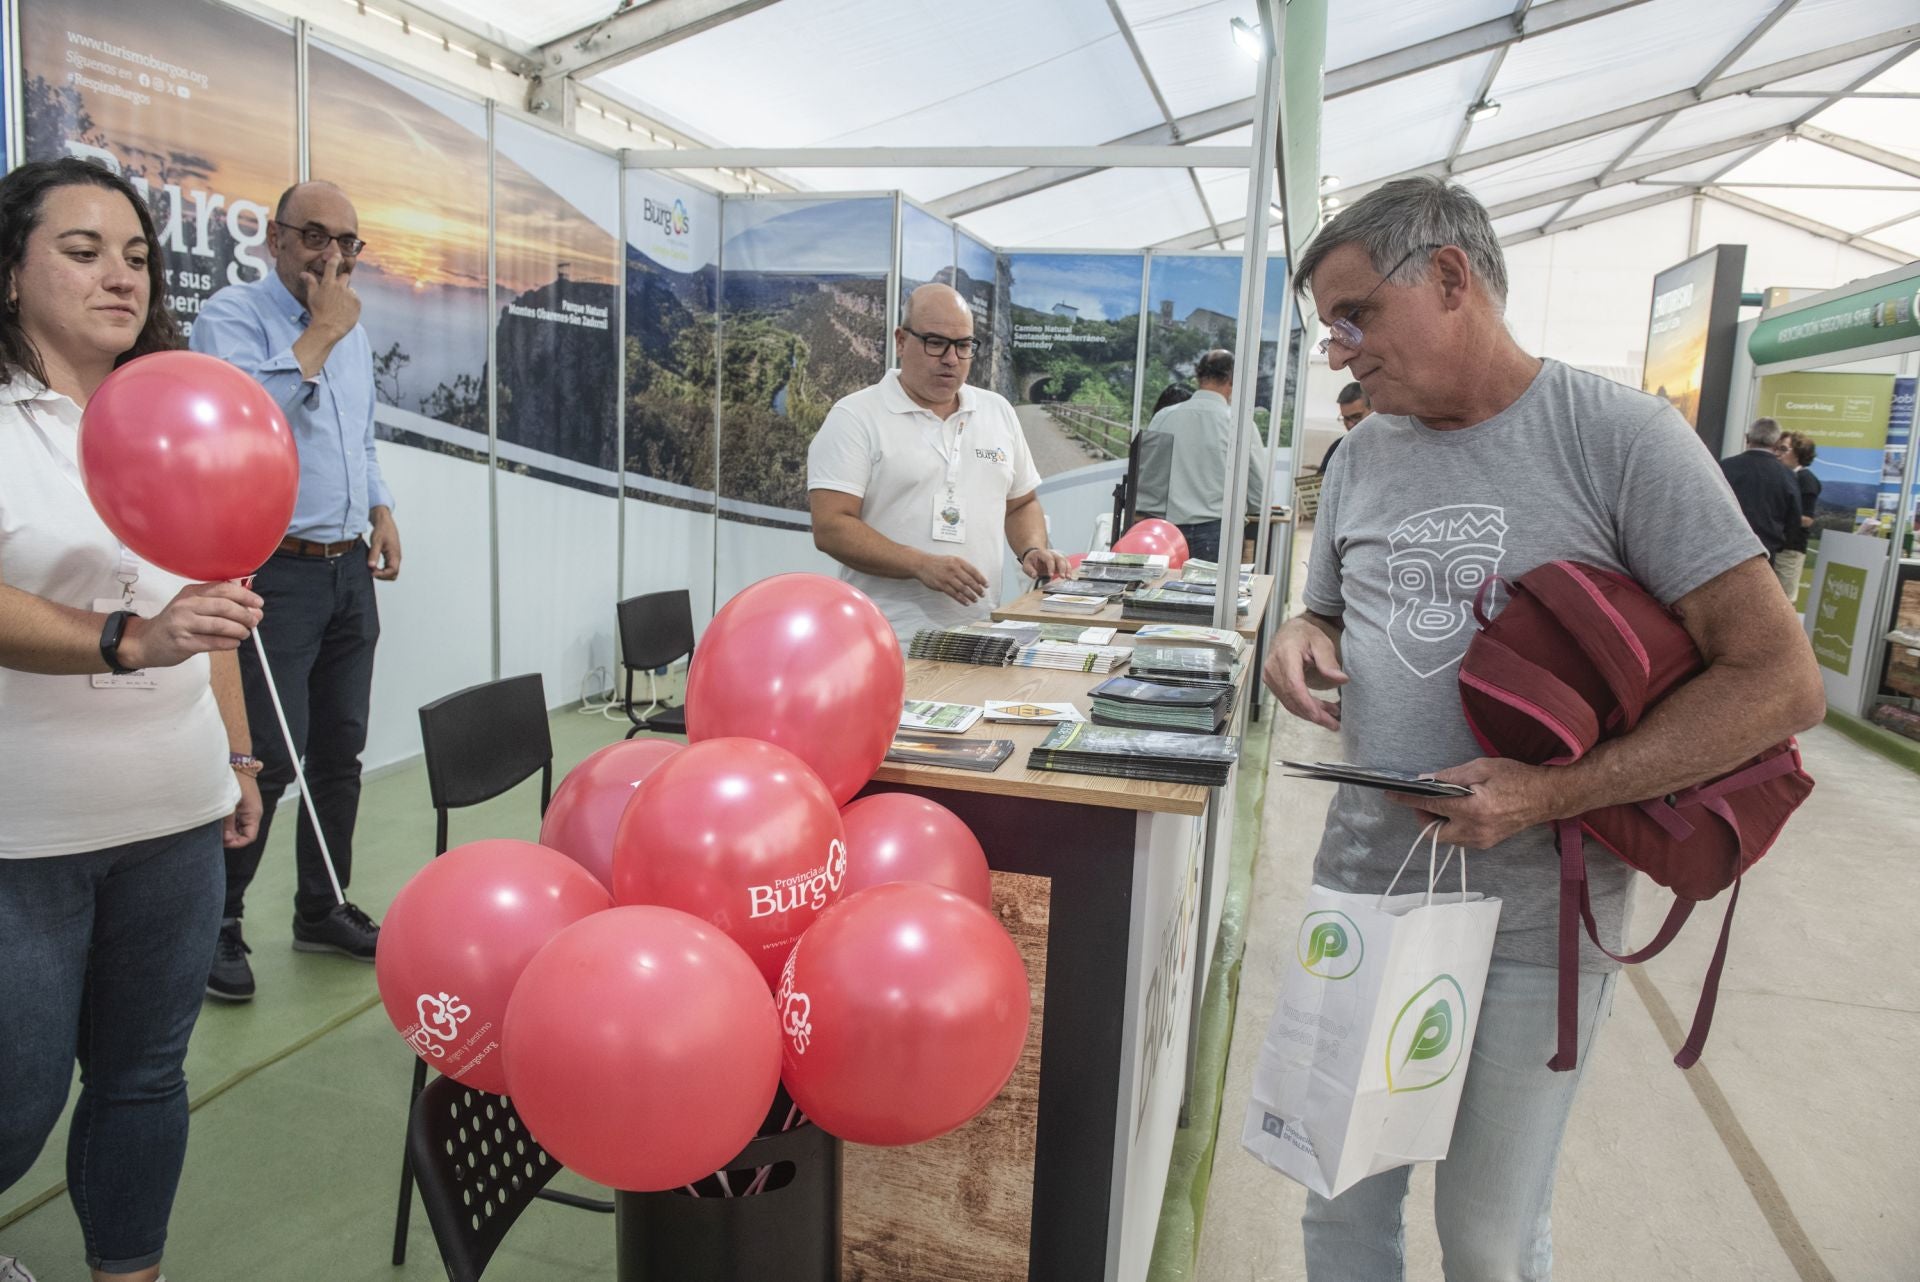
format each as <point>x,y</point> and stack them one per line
<point>903,1012</point>
<point>897,836</point>
<point>191,464</point>
<point>808,663</point>
<point>1074,559</point>
<point>586,808</point>
<point>739,833</point>
<point>642,1048</point>
<point>456,939</point>
<point>1155,537</point>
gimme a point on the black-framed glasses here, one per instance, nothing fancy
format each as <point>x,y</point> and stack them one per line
<point>317,238</point>
<point>1342,330</point>
<point>937,344</point>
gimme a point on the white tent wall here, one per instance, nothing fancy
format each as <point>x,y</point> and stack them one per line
<point>1582,296</point>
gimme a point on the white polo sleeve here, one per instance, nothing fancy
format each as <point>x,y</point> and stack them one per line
<point>841,456</point>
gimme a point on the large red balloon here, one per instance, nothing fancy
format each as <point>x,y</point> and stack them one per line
<point>806,662</point>
<point>1155,537</point>
<point>586,808</point>
<point>897,836</point>
<point>903,1012</point>
<point>642,1048</point>
<point>191,464</point>
<point>739,833</point>
<point>456,939</point>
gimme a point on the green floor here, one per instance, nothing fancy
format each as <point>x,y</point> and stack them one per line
<point>300,1096</point>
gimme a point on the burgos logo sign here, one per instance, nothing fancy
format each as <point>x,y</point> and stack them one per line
<point>671,219</point>
<point>1428,1037</point>
<point>1329,944</point>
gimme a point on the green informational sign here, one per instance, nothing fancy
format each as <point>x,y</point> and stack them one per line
<point>1303,56</point>
<point>1838,411</point>
<point>1839,615</point>
<point>1878,315</point>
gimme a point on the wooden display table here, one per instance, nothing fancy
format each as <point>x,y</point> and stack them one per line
<point>1106,886</point>
<point>1027,607</point>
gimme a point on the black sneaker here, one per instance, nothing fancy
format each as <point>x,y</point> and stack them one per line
<point>231,979</point>
<point>345,930</point>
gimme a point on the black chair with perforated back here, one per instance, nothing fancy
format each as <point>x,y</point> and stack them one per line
<point>478,1170</point>
<point>480,742</point>
<point>655,630</point>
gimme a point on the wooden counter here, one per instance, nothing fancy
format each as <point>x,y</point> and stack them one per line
<point>1027,607</point>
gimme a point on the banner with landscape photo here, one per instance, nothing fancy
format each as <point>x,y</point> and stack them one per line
<point>413,160</point>
<point>192,101</point>
<point>803,323</point>
<point>1845,415</point>
<point>977,271</point>
<point>1074,330</point>
<point>926,252</point>
<point>556,246</point>
<point>1193,305</point>
<point>673,291</point>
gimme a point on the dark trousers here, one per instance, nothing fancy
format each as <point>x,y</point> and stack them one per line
<point>1203,540</point>
<point>104,959</point>
<point>319,625</point>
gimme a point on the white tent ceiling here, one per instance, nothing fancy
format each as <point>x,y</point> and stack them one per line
<point>1809,107</point>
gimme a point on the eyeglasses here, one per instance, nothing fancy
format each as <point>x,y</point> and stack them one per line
<point>1354,418</point>
<point>317,238</point>
<point>937,344</point>
<point>1342,330</point>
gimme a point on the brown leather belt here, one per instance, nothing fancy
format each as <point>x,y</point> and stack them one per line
<point>306,547</point>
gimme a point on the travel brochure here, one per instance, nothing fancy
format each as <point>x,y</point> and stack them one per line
<point>1158,755</point>
<point>1148,705</point>
<point>946,718</point>
<point>1374,777</point>
<point>1028,712</point>
<point>1073,603</point>
<point>960,754</point>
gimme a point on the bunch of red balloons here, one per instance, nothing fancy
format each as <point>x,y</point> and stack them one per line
<point>1155,537</point>
<point>618,979</point>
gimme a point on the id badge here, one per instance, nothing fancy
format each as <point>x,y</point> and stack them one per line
<point>141,680</point>
<point>949,523</point>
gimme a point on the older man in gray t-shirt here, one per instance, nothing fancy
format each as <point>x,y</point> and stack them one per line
<point>1482,462</point>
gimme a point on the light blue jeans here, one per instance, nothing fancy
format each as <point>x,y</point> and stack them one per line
<point>1493,1195</point>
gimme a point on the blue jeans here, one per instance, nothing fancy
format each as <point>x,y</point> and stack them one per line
<point>1203,540</point>
<point>105,958</point>
<point>320,629</point>
<point>1493,1194</point>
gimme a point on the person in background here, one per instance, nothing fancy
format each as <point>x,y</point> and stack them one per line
<point>1354,408</point>
<point>1482,460</point>
<point>297,331</point>
<point>1766,492</point>
<point>916,482</point>
<point>1201,431</point>
<point>1797,452</point>
<point>1152,456</point>
<point>125,756</point>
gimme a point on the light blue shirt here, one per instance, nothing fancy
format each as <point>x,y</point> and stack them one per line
<point>255,326</point>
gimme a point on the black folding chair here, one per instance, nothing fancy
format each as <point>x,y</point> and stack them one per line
<point>655,630</point>
<point>478,1170</point>
<point>479,742</point>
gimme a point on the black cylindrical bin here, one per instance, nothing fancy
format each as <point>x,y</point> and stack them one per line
<point>790,1233</point>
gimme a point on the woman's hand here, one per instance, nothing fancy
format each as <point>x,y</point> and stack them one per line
<point>243,825</point>
<point>205,617</point>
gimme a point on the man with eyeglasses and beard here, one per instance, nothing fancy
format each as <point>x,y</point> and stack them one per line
<point>297,331</point>
<point>917,481</point>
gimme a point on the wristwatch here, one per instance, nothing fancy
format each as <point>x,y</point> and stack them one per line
<point>110,637</point>
<point>1021,560</point>
<point>246,763</point>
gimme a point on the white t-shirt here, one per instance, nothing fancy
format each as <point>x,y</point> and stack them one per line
<point>883,449</point>
<point>84,769</point>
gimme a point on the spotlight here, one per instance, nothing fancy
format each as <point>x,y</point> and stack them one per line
<point>1329,182</point>
<point>1485,109</point>
<point>1250,39</point>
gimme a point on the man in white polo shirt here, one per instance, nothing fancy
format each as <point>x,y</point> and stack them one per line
<point>916,481</point>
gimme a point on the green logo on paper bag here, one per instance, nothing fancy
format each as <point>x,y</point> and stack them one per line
<point>1422,1048</point>
<point>1329,944</point>
<point>1837,615</point>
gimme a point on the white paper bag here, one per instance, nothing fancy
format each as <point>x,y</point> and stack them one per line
<point>1367,1050</point>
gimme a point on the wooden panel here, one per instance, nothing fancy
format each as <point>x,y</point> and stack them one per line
<point>959,1208</point>
<point>1027,607</point>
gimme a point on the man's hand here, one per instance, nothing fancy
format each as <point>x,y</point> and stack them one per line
<point>383,546</point>
<point>332,306</point>
<point>1302,658</point>
<point>1045,563</point>
<point>243,825</point>
<point>955,576</point>
<point>205,617</point>
<point>1508,796</point>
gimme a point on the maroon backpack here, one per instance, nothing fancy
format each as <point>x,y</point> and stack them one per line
<point>1577,655</point>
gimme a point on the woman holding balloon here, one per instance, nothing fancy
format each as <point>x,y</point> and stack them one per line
<point>124,746</point>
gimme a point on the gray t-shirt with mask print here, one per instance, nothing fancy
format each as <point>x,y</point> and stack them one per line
<point>1412,521</point>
